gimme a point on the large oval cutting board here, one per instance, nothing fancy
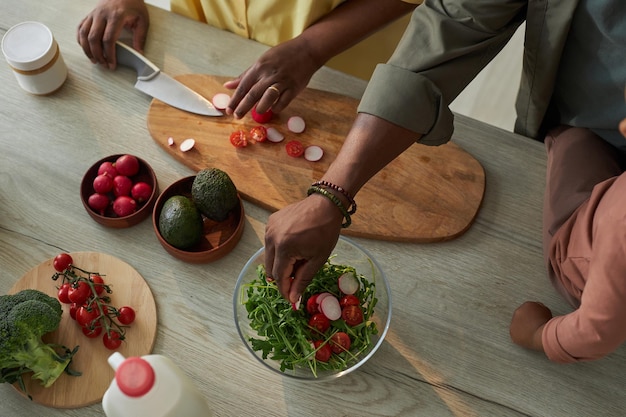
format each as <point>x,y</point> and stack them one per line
<point>427,194</point>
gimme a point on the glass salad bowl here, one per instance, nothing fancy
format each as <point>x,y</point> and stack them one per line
<point>339,324</point>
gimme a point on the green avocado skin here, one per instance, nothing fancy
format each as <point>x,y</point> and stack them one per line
<point>180,222</point>
<point>214,193</point>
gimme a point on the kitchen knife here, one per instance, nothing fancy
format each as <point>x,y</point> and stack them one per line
<point>152,81</point>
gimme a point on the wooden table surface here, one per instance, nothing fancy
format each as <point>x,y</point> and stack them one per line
<point>448,351</point>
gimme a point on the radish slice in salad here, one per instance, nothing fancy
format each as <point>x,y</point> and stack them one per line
<point>187,145</point>
<point>331,308</point>
<point>321,296</point>
<point>313,153</point>
<point>221,100</point>
<point>348,284</point>
<point>274,135</point>
<point>296,124</point>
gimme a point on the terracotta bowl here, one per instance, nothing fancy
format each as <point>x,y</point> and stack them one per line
<point>109,218</point>
<point>219,237</point>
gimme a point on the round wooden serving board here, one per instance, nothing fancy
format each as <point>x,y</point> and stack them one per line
<point>128,288</point>
<point>427,194</point>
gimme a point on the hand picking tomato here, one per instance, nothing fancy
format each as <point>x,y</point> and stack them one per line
<point>258,134</point>
<point>294,148</point>
<point>340,342</point>
<point>323,351</point>
<point>239,139</point>
<point>62,261</point>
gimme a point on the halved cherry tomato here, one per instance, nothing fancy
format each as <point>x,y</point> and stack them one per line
<point>98,283</point>
<point>125,315</point>
<point>258,134</point>
<point>80,293</point>
<point>323,351</point>
<point>340,342</point>
<point>319,322</point>
<point>349,300</point>
<point>112,340</point>
<point>62,261</point>
<point>311,305</point>
<point>63,292</point>
<point>239,139</point>
<point>352,315</point>
<point>294,148</point>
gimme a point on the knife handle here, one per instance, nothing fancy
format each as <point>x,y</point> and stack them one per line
<point>128,57</point>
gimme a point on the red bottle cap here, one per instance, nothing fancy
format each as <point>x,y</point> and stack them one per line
<point>135,377</point>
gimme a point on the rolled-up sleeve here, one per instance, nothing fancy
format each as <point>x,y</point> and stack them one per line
<point>445,45</point>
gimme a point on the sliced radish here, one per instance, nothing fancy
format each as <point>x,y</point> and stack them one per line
<point>348,284</point>
<point>170,141</point>
<point>274,135</point>
<point>331,308</point>
<point>221,100</point>
<point>313,153</point>
<point>187,145</point>
<point>296,124</point>
<point>321,297</point>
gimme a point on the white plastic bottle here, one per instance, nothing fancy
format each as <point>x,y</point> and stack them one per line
<point>154,386</point>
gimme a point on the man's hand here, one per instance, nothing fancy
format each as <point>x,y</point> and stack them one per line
<point>527,324</point>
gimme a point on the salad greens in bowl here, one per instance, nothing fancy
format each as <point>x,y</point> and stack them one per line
<point>339,324</point>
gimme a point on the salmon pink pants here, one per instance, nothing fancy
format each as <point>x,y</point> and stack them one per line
<point>584,181</point>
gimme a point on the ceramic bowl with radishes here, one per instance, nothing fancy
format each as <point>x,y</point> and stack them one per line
<point>119,190</point>
<point>338,325</point>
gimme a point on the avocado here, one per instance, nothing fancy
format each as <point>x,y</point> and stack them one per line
<point>214,193</point>
<point>180,222</point>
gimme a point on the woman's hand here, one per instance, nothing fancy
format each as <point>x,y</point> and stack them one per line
<point>527,325</point>
<point>276,78</point>
<point>101,28</point>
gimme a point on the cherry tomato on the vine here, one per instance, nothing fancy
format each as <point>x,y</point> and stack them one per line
<point>62,261</point>
<point>92,332</point>
<point>112,340</point>
<point>126,315</point>
<point>258,134</point>
<point>98,283</point>
<point>80,293</point>
<point>239,139</point>
<point>294,148</point>
<point>73,309</point>
<point>63,293</point>
<point>85,316</point>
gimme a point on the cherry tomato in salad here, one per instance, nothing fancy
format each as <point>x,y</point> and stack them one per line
<point>112,340</point>
<point>352,315</point>
<point>311,305</point>
<point>294,148</point>
<point>80,293</point>
<point>323,351</point>
<point>340,342</point>
<point>349,300</point>
<point>62,261</point>
<point>126,315</point>
<point>92,332</point>
<point>98,283</point>
<point>319,322</point>
<point>239,139</point>
<point>258,134</point>
<point>63,293</point>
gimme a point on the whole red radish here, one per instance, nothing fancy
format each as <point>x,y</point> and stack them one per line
<point>107,168</point>
<point>141,191</point>
<point>98,202</point>
<point>103,184</point>
<point>127,165</point>
<point>122,185</point>
<point>261,117</point>
<point>124,206</point>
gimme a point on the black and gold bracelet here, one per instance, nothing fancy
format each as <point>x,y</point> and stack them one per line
<point>343,191</point>
<point>332,197</point>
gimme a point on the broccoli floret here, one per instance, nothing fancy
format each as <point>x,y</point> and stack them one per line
<point>24,318</point>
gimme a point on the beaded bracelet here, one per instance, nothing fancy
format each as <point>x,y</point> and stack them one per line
<point>346,194</point>
<point>332,197</point>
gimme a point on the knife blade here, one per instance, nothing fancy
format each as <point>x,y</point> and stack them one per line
<point>152,81</point>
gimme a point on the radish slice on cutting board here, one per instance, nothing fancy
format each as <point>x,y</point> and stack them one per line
<point>221,100</point>
<point>313,153</point>
<point>296,124</point>
<point>187,145</point>
<point>274,135</point>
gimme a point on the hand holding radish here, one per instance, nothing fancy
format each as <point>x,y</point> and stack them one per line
<point>288,67</point>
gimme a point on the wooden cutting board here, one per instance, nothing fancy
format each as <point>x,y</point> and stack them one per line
<point>128,289</point>
<point>427,194</point>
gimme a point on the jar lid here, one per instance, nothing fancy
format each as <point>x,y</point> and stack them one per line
<point>28,46</point>
<point>135,377</point>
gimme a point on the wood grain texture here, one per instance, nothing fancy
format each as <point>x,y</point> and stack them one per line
<point>427,194</point>
<point>128,289</point>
